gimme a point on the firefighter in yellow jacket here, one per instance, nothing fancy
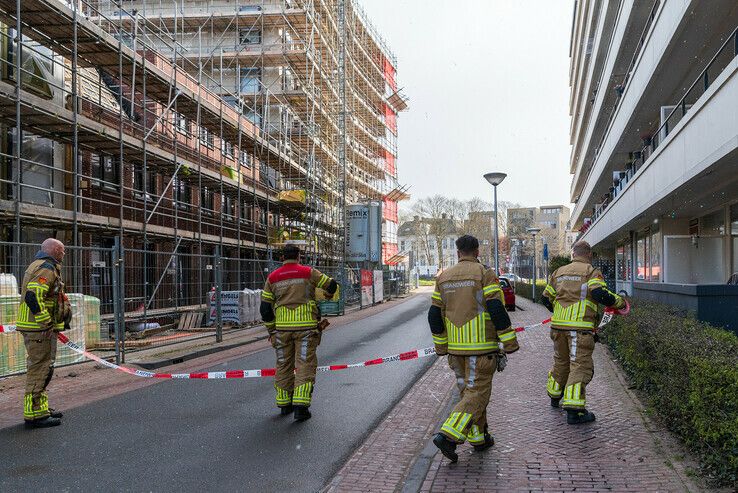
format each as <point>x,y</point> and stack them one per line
<point>44,310</point>
<point>469,323</point>
<point>572,296</point>
<point>292,317</point>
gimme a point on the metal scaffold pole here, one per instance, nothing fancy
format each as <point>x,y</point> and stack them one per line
<point>342,137</point>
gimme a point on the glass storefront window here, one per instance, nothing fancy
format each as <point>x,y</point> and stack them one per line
<point>620,268</point>
<point>734,232</point>
<point>641,257</point>
<point>713,224</point>
<point>655,255</point>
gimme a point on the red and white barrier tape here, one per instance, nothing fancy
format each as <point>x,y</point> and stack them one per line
<point>263,372</point>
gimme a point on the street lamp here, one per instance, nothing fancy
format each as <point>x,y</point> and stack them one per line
<point>495,179</point>
<point>534,232</point>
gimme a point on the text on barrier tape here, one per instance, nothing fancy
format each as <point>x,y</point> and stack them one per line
<point>257,373</point>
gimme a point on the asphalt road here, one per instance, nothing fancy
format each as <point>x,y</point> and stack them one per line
<point>225,435</point>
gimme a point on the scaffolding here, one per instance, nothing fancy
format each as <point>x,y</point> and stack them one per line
<point>187,127</point>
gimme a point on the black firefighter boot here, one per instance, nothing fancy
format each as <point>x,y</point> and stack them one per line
<point>488,442</point>
<point>286,410</point>
<point>46,422</point>
<point>446,446</point>
<point>555,401</point>
<point>579,416</point>
<point>55,414</point>
<point>302,413</point>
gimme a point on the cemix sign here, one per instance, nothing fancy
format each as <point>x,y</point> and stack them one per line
<point>364,232</point>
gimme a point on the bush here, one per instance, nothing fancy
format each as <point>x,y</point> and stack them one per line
<point>525,289</point>
<point>688,371</point>
<point>556,262</point>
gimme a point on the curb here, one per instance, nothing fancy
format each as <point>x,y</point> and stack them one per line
<point>418,471</point>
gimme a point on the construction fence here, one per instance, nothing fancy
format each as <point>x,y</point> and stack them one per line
<point>126,299</point>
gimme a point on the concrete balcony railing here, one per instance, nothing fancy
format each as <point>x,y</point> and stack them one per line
<point>663,30</point>
<point>696,156</point>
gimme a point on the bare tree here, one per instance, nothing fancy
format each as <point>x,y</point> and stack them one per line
<point>439,216</point>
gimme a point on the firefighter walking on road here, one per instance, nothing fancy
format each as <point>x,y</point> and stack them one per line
<point>291,315</point>
<point>572,296</point>
<point>469,323</point>
<point>44,310</point>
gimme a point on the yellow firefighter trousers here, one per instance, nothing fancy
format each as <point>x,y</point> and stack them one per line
<point>296,349</point>
<point>573,367</point>
<point>40,357</point>
<point>468,420</point>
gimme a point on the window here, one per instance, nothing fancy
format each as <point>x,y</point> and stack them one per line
<point>550,210</point>
<point>105,169</point>
<point>246,212</point>
<point>181,123</point>
<point>734,233</point>
<point>149,187</point>
<point>206,200</point>
<point>182,193</point>
<point>207,138</point>
<point>226,148</point>
<point>641,256</point>
<point>287,79</point>
<point>249,36</point>
<point>713,224</point>
<point>244,158</point>
<point>655,254</point>
<point>228,206</point>
<point>250,80</point>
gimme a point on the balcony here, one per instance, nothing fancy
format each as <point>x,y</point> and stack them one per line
<point>689,165</point>
<point>680,42</point>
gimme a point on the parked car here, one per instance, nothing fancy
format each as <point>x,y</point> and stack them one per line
<point>513,278</point>
<point>509,291</point>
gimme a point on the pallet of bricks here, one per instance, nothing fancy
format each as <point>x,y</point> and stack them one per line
<point>85,328</point>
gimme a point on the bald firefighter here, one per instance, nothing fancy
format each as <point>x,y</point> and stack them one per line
<point>44,310</point>
<point>572,295</point>
<point>291,315</point>
<point>469,323</point>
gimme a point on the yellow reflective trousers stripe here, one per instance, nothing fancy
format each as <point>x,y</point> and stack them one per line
<point>456,424</point>
<point>303,394</point>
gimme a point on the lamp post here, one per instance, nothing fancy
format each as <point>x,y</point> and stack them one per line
<point>534,232</point>
<point>495,179</point>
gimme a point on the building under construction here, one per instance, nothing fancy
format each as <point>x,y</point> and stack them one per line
<point>188,128</point>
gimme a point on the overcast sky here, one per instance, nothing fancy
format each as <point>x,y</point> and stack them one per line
<point>488,84</point>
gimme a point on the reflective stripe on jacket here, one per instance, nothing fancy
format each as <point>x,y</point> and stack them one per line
<point>42,282</point>
<point>570,293</point>
<point>291,291</point>
<point>462,292</point>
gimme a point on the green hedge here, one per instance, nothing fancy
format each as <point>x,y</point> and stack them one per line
<point>525,289</point>
<point>688,371</point>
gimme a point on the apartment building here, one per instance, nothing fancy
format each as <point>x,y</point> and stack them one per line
<point>654,136</point>
<point>191,128</point>
<point>430,243</point>
<point>551,219</point>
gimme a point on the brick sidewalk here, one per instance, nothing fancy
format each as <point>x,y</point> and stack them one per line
<point>535,449</point>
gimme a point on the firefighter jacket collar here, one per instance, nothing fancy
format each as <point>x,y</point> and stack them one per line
<point>469,259</point>
<point>45,256</point>
<point>581,259</point>
<point>290,261</point>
